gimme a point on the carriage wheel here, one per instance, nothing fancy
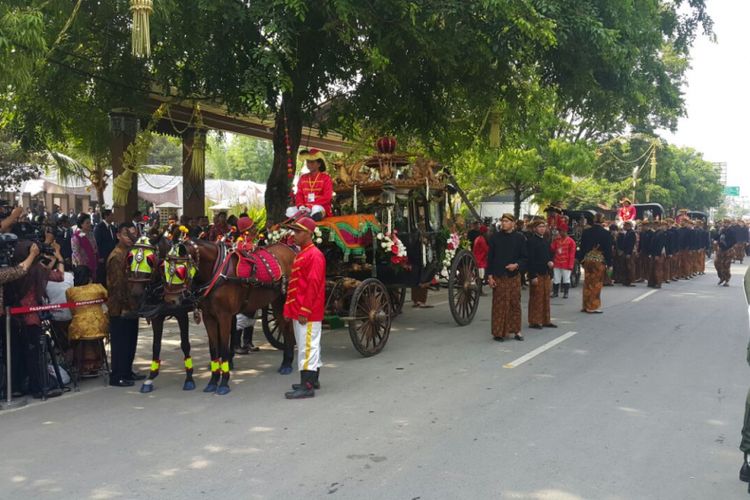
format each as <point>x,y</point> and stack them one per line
<point>370,317</point>
<point>464,287</point>
<point>398,297</point>
<point>575,276</point>
<point>271,328</point>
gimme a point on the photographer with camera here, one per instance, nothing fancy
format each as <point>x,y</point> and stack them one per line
<point>30,291</point>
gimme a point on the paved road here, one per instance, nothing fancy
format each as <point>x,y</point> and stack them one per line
<point>643,402</point>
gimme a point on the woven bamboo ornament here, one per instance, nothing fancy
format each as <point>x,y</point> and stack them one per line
<point>141,10</point>
<point>198,166</point>
<point>494,129</point>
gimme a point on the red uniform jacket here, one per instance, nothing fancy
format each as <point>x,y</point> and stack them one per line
<point>306,295</point>
<point>626,213</point>
<point>564,251</point>
<point>315,189</point>
<point>481,249</point>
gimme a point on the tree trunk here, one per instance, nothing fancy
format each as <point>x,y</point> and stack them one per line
<point>278,187</point>
<point>516,203</point>
<point>100,195</point>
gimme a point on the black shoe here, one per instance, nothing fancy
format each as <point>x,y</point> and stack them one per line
<point>315,381</point>
<point>51,393</point>
<point>535,327</point>
<point>241,350</point>
<point>123,382</point>
<point>566,289</point>
<point>306,386</point>
<point>519,338</point>
<point>250,347</point>
<point>498,339</point>
<point>134,376</point>
<point>550,325</point>
<point>555,291</point>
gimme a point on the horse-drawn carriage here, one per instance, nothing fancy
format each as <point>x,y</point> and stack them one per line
<point>392,229</point>
<point>649,211</point>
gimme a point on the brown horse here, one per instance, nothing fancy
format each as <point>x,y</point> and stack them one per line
<point>223,296</point>
<point>146,288</point>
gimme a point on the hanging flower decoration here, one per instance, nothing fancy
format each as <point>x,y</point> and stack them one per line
<point>453,243</point>
<point>278,234</point>
<point>318,236</point>
<point>394,249</point>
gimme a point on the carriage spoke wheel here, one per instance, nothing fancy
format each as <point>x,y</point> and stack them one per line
<point>464,287</point>
<point>398,297</point>
<point>271,328</point>
<point>370,317</point>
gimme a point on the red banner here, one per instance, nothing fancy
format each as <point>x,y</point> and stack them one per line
<point>53,307</point>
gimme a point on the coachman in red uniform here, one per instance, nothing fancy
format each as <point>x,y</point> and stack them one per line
<point>314,189</point>
<point>627,211</point>
<point>305,303</point>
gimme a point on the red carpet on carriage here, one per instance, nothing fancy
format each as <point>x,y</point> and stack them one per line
<point>259,265</point>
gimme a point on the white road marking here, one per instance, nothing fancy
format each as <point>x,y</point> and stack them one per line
<point>641,297</point>
<point>536,352</point>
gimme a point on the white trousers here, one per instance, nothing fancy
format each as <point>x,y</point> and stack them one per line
<point>244,321</point>
<point>314,210</point>
<point>481,273</point>
<point>308,344</point>
<point>561,276</point>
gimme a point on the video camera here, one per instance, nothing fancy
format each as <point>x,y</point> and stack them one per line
<point>22,231</point>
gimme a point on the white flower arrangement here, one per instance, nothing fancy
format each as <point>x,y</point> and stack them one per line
<point>394,248</point>
<point>452,245</point>
<point>279,234</point>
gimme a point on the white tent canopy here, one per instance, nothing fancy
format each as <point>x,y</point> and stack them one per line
<point>156,189</point>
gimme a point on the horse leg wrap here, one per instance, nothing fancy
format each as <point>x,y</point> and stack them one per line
<point>155,366</point>
<point>215,366</point>
<point>225,366</point>
<point>189,364</point>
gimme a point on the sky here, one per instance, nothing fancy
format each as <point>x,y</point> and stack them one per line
<point>717,97</point>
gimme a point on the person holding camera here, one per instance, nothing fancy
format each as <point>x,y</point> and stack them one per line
<point>30,291</point>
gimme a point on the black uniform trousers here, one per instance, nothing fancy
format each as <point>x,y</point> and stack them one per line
<point>123,338</point>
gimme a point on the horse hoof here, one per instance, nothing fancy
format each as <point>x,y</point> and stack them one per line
<point>189,385</point>
<point>222,390</point>
<point>210,388</point>
<point>146,388</point>
<point>285,370</point>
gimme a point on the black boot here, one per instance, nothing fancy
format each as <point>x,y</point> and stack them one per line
<point>247,339</point>
<point>745,471</point>
<point>566,289</point>
<point>555,290</point>
<point>315,382</point>
<point>306,390</point>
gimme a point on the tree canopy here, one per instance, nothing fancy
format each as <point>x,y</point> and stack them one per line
<point>560,76</point>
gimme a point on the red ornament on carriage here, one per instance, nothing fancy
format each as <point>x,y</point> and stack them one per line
<point>386,145</point>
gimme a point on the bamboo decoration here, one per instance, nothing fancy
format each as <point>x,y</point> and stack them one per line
<point>494,129</point>
<point>121,187</point>
<point>198,166</point>
<point>141,10</point>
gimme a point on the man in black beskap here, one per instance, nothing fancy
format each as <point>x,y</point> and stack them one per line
<point>506,259</point>
<point>656,251</point>
<point>643,257</point>
<point>105,234</point>
<point>540,282</point>
<point>626,246</point>
<point>670,272</point>
<point>595,255</point>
